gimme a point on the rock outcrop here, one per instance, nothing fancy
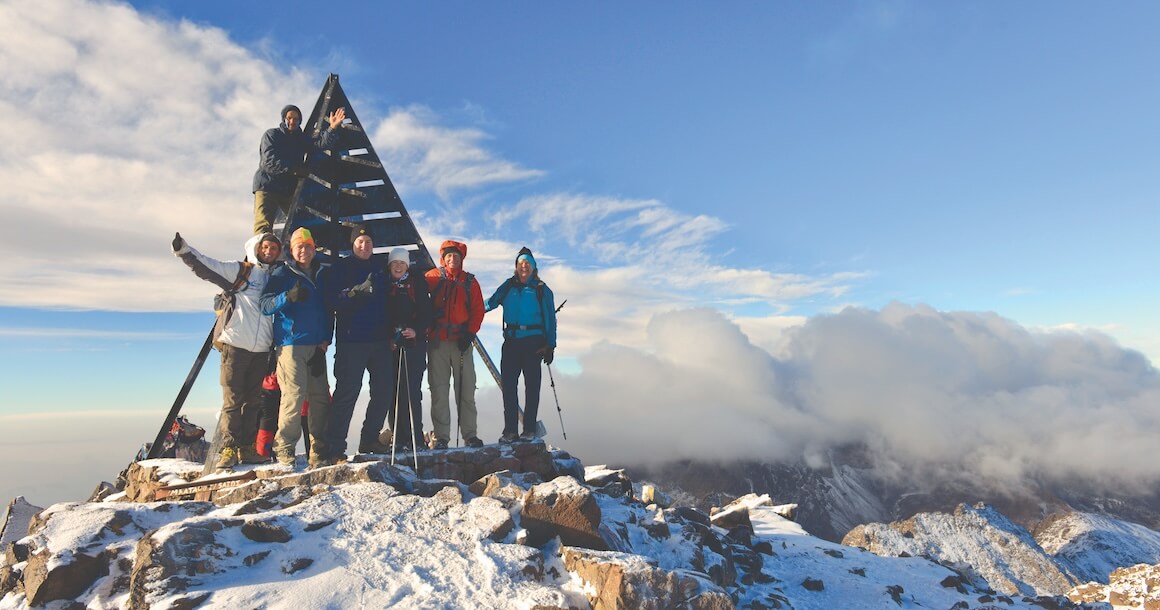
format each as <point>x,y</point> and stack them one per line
<point>1136,587</point>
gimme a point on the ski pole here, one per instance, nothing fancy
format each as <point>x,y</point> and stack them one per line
<point>458,398</point>
<point>404,373</point>
<point>559,412</point>
<point>395,423</point>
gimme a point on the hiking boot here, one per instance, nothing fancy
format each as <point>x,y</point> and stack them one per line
<point>228,458</point>
<point>473,442</point>
<point>528,437</point>
<point>508,438</point>
<point>373,446</point>
<point>248,455</point>
<point>285,457</point>
<point>440,443</point>
<point>318,461</point>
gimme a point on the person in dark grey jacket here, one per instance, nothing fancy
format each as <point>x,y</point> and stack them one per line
<point>282,160</point>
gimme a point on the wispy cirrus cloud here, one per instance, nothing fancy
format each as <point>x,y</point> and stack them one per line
<point>673,253</point>
<point>425,155</point>
<point>87,333</point>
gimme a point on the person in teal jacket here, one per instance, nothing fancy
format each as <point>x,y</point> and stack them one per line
<point>303,328</point>
<point>529,337</point>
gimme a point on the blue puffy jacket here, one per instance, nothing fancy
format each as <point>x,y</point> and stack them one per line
<point>307,322</point>
<point>526,313</point>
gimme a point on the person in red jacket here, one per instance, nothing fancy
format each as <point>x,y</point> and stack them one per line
<point>458,306</point>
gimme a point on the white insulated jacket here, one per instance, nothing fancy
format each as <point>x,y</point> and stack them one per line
<point>248,328</point>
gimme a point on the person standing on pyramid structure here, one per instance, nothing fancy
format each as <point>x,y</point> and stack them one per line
<point>356,294</point>
<point>458,313</point>
<point>282,160</point>
<point>529,337</point>
<point>409,309</point>
<point>303,327</point>
<point>244,340</point>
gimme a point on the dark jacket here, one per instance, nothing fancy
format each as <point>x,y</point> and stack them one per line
<point>358,319</point>
<point>282,151</point>
<point>409,305</point>
<point>307,322</point>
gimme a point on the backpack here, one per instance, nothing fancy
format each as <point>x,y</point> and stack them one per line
<point>223,302</point>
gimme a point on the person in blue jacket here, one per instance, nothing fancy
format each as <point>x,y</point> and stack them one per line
<point>303,327</point>
<point>529,337</point>
<point>356,294</point>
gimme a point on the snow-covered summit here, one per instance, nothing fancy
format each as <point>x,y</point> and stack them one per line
<point>375,535</point>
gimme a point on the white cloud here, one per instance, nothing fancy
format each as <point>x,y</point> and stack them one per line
<point>958,393</point>
<point>129,129</point>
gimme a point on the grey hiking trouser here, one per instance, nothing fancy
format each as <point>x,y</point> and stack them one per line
<point>444,361</point>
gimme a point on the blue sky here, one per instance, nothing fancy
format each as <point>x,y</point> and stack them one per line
<point>750,169</point>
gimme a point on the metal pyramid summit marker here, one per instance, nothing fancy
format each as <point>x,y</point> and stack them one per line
<point>347,186</point>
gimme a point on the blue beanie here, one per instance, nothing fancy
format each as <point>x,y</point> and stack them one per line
<point>526,254</point>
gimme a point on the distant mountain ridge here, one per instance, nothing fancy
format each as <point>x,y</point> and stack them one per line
<point>847,491</point>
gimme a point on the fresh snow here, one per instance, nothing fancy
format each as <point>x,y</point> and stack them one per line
<point>367,545</point>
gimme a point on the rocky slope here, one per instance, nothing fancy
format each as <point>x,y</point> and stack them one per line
<point>372,534</point>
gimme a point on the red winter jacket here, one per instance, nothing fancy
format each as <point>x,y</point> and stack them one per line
<point>458,300</point>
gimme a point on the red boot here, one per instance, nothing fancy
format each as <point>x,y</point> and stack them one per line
<point>264,445</point>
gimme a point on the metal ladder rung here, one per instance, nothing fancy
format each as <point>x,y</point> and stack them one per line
<point>375,216</point>
<point>362,184</point>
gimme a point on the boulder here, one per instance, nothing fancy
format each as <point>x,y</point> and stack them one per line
<point>617,581</point>
<point>49,577</point>
<point>565,508</point>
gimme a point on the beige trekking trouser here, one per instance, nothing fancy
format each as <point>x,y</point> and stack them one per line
<point>297,386</point>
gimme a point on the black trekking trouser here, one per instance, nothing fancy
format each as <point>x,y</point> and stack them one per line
<point>520,356</point>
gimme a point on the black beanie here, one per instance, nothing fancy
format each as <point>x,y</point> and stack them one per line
<point>288,108</point>
<point>358,230</point>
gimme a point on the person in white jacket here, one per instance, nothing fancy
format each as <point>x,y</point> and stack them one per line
<point>244,342</point>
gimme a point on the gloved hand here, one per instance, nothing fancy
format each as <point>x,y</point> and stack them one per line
<point>549,354</point>
<point>317,363</point>
<point>361,290</point>
<point>297,293</point>
<point>178,242</point>
<point>465,341</point>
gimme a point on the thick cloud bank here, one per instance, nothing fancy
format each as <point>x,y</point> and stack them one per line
<point>938,393</point>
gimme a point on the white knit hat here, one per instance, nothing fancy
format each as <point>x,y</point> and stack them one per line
<point>399,254</point>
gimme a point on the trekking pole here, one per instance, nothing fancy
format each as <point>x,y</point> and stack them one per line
<point>406,374</point>
<point>395,424</point>
<point>458,398</point>
<point>557,397</point>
